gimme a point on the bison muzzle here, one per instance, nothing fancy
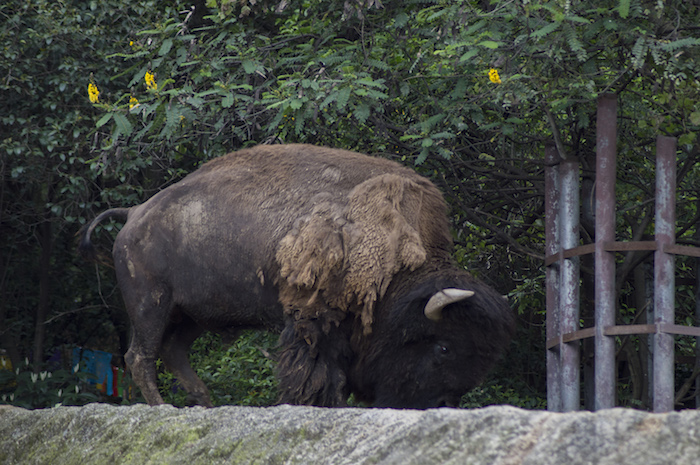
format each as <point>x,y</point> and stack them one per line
<point>347,255</point>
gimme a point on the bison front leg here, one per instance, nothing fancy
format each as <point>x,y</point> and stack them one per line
<point>313,364</point>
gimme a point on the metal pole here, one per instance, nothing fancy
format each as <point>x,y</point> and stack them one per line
<point>569,285</point>
<point>606,150</point>
<point>551,221</point>
<point>697,312</point>
<point>664,275</point>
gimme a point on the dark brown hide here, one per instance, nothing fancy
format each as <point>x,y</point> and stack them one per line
<point>339,250</point>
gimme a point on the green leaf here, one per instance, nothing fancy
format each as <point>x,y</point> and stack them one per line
<point>443,135</point>
<point>639,52</point>
<point>368,81</point>
<point>227,101</point>
<point>195,101</point>
<point>249,66</point>
<point>578,19</point>
<point>104,120</point>
<point>422,156</point>
<point>428,124</point>
<point>172,120</point>
<point>489,44</point>
<point>469,55</point>
<point>362,112</point>
<point>695,118</point>
<point>401,20</point>
<point>343,97</point>
<point>624,8</point>
<point>276,104</point>
<point>551,27</point>
<point>687,138</point>
<point>123,124</point>
<point>165,48</point>
<point>676,44</point>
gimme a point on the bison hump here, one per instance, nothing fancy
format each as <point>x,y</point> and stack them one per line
<point>344,254</point>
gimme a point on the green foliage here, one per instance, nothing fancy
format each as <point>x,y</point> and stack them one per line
<point>51,51</point>
<point>491,393</point>
<point>27,389</point>
<point>240,374</point>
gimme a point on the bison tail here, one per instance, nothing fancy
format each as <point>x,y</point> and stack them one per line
<point>85,247</point>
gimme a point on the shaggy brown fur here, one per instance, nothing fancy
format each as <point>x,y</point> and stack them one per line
<point>344,256</point>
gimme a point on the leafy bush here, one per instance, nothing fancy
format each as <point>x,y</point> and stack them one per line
<point>241,373</point>
<point>494,393</point>
<point>49,388</point>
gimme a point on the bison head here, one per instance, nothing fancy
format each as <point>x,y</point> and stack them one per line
<point>423,354</point>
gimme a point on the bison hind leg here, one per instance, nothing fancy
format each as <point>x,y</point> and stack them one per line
<point>147,323</point>
<point>313,364</point>
<point>174,352</point>
<point>143,370</point>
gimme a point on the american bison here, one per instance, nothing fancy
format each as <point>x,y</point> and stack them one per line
<point>347,255</point>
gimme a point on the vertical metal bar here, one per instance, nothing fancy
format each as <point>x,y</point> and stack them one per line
<point>606,151</point>
<point>551,227</point>
<point>697,312</point>
<point>569,284</point>
<point>649,316</point>
<point>664,275</point>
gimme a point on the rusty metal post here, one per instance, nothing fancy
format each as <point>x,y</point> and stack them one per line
<point>697,310</point>
<point>606,152</point>
<point>552,246</point>
<point>569,285</point>
<point>664,276</point>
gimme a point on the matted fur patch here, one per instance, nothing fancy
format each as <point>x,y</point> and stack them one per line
<point>345,255</point>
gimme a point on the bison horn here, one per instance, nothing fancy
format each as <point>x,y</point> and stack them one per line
<point>433,309</point>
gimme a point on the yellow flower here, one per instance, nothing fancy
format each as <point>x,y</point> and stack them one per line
<point>133,102</point>
<point>93,93</point>
<point>131,43</point>
<point>494,77</point>
<point>151,81</point>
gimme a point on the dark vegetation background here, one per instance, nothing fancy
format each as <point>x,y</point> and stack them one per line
<point>404,80</point>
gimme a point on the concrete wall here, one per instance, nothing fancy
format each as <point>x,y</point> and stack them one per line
<point>103,434</point>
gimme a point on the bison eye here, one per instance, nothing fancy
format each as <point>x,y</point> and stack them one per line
<point>442,349</point>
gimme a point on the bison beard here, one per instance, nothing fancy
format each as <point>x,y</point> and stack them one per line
<point>340,251</point>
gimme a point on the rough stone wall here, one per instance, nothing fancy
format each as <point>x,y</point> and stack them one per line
<point>103,434</point>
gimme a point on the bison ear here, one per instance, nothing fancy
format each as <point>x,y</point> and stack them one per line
<point>433,309</point>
